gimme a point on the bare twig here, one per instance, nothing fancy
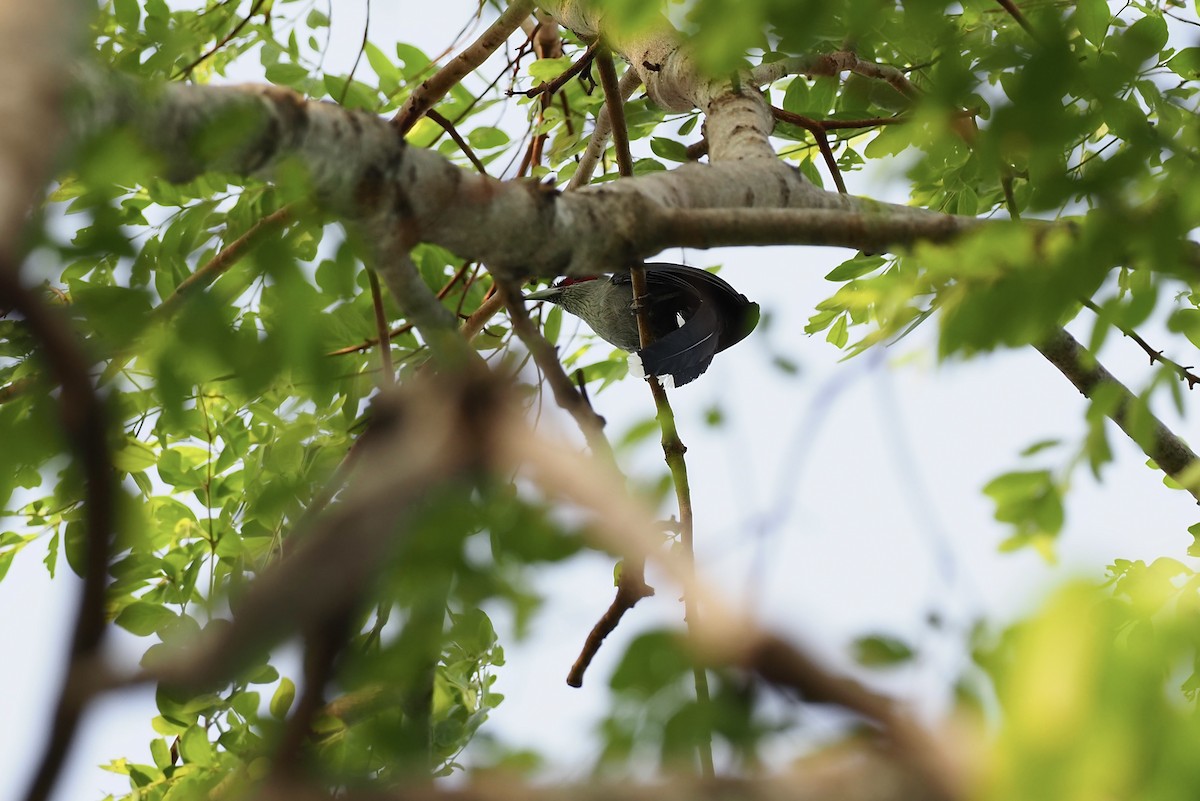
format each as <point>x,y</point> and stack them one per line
<point>1011,8</point>
<point>552,87</point>
<point>449,128</point>
<point>599,139</point>
<point>381,325</point>
<point>544,354</point>
<point>818,130</point>
<point>371,342</point>
<point>1185,374</point>
<point>614,104</point>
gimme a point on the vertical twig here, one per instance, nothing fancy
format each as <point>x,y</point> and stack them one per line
<point>385,334</point>
<point>673,447</point>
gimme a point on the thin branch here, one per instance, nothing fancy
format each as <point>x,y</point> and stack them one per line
<point>479,318</point>
<point>381,325</point>
<point>599,139</point>
<point>552,87</point>
<point>861,230</point>
<point>362,48</point>
<point>1185,374</point>
<point>421,306</point>
<point>1169,452</point>
<point>1011,8</point>
<point>818,130</point>
<point>371,342</point>
<point>832,65</point>
<point>449,128</point>
<point>217,47</point>
<point>615,105</point>
<point>673,448</point>
<point>223,260</point>
<point>546,357</point>
<point>85,425</point>
<point>631,588</point>
<point>434,88</point>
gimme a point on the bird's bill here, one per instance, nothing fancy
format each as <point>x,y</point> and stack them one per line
<point>549,293</point>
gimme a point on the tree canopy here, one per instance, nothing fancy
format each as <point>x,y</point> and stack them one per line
<point>267,376</point>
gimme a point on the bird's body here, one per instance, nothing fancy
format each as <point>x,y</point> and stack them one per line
<point>692,313</point>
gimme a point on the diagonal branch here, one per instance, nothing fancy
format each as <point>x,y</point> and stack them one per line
<point>434,88</point>
<point>1169,452</point>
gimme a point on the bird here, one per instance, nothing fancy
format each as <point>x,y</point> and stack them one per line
<point>693,315</point>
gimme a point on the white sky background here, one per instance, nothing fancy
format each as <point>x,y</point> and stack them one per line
<point>862,477</point>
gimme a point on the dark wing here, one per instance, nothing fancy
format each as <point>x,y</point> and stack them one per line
<point>693,315</point>
<point>736,315</point>
<point>687,351</point>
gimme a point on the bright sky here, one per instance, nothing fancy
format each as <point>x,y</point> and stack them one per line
<point>843,500</point>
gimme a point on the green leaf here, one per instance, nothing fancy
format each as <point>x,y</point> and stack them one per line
<point>143,618</point>
<point>653,661</point>
<point>281,700</point>
<point>383,66</point>
<point>127,14</point>
<point>1186,63</point>
<point>1092,18</point>
<point>287,74</point>
<point>881,650</point>
<point>134,456</point>
<point>855,267</point>
<point>838,333</point>
<point>195,748</point>
<point>485,138</point>
<point>669,149</point>
<point>1142,40</point>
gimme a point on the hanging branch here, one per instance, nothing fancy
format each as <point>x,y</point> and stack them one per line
<point>85,426</point>
<point>673,447</point>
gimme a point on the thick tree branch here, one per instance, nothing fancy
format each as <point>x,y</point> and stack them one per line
<point>1169,452</point>
<point>359,170</point>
